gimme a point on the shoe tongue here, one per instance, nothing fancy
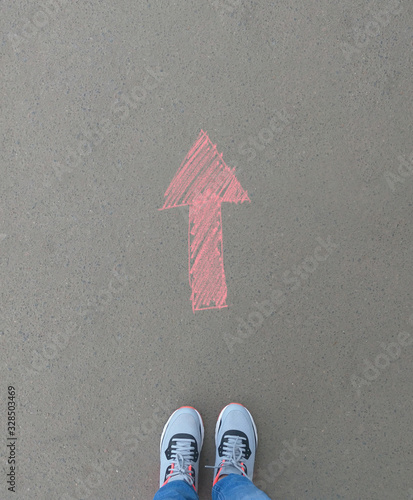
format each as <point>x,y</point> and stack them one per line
<point>229,469</point>
<point>181,473</point>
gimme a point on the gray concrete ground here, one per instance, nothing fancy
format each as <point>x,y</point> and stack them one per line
<point>311,101</point>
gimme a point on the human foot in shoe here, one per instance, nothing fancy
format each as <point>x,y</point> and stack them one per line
<point>181,444</point>
<point>236,441</point>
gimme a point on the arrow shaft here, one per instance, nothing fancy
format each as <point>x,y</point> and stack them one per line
<point>204,181</point>
<point>206,262</point>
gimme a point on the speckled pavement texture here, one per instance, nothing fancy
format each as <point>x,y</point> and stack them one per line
<point>311,101</point>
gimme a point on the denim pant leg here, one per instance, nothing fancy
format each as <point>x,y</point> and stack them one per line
<point>176,490</point>
<point>237,487</point>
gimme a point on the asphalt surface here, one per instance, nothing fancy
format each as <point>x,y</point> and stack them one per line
<point>311,102</point>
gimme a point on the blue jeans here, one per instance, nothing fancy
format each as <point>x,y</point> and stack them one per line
<point>232,487</point>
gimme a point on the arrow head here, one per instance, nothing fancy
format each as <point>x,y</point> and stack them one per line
<point>204,175</point>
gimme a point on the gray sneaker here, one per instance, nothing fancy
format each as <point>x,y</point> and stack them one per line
<point>181,444</point>
<point>236,441</point>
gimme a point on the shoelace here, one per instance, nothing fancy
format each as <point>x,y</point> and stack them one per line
<point>233,452</point>
<point>182,453</point>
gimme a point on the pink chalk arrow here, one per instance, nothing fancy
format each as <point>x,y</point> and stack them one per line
<point>204,182</point>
